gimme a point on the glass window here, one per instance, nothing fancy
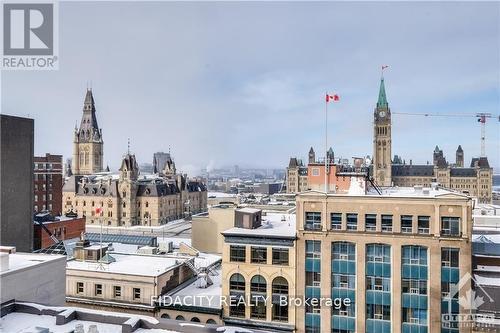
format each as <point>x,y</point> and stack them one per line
<point>406,224</point>
<point>79,287</point>
<point>98,289</point>
<point>280,286</point>
<point>345,281</point>
<point>258,255</point>
<point>412,286</point>
<point>386,223</point>
<point>378,253</point>
<point>450,226</point>
<point>371,222</point>
<point>352,221</point>
<point>313,221</point>
<point>449,257</point>
<point>414,255</point>
<point>378,283</point>
<point>280,256</point>
<point>377,311</point>
<point>237,253</point>
<point>117,291</point>
<point>336,221</point>
<point>343,251</point>
<point>237,282</point>
<point>313,249</point>
<point>137,293</point>
<point>258,284</point>
<point>423,224</point>
<point>313,279</point>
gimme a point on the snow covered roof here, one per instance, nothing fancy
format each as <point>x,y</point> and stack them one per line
<point>130,264</point>
<point>19,261</point>
<point>404,192</point>
<point>274,225</point>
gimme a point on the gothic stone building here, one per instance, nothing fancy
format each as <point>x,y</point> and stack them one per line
<point>125,198</point>
<point>475,180</point>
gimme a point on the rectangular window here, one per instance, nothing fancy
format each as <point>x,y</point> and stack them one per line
<point>423,224</point>
<point>352,221</point>
<point>117,291</point>
<point>449,257</point>
<point>258,255</point>
<point>98,289</point>
<point>237,253</point>
<point>313,279</point>
<point>280,256</point>
<point>315,171</point>
<point>450,226</point>
<point>417,287</point>
<point>313,221</point>
<point>386,223</point>
<point>371,222</point>
<point>313,249</point>
<point>378,283</point>
<point>79,287</point>
<point>336,221</point>
<point>406,224</point>
<point>137,293</point>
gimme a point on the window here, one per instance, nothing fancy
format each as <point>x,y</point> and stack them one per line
<point>450,226</point>
<point>449,257</point>
<point>117,291</point>
<point>423,224</point>
<point>280,256</point>
<point>137,293</point>
<point>79,287</point>
<point>371,222</point>
<point>313,279</point>
<point>313,221</point>
<point>315,171</point>
<point>378,253</point>
<point>377,311</point>
<point>406,224</point>
<point>386,223</point>
<point>237,253</point>
<point>258,255</point>
<point>313,249</point>
<point>258,284</point>
<point>414,255</point>
<point>343,281</point>
<point>352,221</point>
<point>98,289</point>
<point>412,286</point>
<point>343,251</point>
<point>179,317</point>
<point>336,221</point>
<point>378,283</point>
<point>280,286</point>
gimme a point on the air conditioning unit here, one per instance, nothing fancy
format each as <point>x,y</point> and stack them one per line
<point>344,257</point>
<point>414,291</point>
<point>445,294</point>
<point>378,259</point>
<point>344,285</point>
<point>378,287</point>
<point>414,261</point>
<point>343,313</point>
<point>445,264</point>
<point>414,320</point>
<point>378,316</point>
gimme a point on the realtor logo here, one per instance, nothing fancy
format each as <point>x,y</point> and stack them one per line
<point>29,35</point>
<point>28,29</point>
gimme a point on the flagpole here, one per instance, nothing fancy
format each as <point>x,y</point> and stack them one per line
<point>326,141</point>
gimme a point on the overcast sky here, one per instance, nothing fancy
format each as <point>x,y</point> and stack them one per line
<point>244,83</point>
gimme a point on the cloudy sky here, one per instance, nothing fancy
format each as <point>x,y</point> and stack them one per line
<point>244,83</point>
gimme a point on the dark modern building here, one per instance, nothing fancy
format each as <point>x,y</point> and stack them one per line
<point>16,182</point>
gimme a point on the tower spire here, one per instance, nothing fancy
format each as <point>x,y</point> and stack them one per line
<point>382,98</point>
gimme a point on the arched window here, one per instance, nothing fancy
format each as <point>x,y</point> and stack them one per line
<point>237,282</point>
<point>179,317</point>
<point>280,289</point>
<point>165,316</point>
<point>237,291</point>
<point>195,320</point>
<point>211,321</point>
<point>258,284</point>
<point>258,288</point>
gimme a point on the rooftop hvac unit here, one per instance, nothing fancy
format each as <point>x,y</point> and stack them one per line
<point>147,250</point>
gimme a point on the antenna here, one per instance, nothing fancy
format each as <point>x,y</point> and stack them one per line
<point>128,146</point>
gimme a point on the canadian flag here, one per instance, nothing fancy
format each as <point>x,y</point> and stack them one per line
<point>98,210</point>
<point>333,97</point>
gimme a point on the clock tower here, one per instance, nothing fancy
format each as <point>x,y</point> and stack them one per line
<point>382,142</point>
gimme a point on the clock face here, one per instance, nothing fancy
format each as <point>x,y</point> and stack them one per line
<point>381,114</point>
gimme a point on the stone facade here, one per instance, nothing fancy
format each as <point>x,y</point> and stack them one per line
<point>418,222</point>
<point>125,198</point>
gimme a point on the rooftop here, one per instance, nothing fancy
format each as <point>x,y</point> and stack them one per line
<point>129,264</point>
<point>274,225</point>
<point>19,261</point>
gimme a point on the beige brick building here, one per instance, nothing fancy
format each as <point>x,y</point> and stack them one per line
<point>395,256</point>
<point>259,265</point>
